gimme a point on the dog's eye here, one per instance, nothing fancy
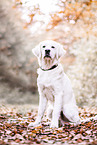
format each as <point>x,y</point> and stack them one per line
<point>44,46</point>
<point>52,47</point>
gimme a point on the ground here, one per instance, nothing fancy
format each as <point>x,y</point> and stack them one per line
<point>14,120</point>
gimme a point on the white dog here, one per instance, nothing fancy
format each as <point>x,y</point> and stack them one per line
<point>54,86</point>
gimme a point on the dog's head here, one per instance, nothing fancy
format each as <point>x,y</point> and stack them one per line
<point>48,51</point>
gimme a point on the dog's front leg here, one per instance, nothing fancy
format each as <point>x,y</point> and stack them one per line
<point>41,109</point>
<point>56,111</point>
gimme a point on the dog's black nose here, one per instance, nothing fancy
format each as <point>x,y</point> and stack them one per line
<point>47,52</point>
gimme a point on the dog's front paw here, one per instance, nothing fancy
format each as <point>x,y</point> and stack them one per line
<point>34,124</point>
<point>54,125</point>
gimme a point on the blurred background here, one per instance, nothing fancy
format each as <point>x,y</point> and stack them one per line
<point>25,23</point>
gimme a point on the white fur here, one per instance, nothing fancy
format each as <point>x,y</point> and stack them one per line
<point>54,86</point>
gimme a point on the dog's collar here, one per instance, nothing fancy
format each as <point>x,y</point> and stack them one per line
<point>54,66</point>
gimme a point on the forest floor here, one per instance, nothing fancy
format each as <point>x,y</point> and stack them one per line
<point>14,120</point>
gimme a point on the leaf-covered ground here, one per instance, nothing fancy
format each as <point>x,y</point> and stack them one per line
<point>14,129</point>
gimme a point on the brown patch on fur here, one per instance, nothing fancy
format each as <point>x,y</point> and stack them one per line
<point>60,73</point>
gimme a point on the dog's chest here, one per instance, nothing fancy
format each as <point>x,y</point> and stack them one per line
<point>46,79</point>
<point>48,92</point>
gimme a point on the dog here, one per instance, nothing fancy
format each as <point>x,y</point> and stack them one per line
<point>54,86</point>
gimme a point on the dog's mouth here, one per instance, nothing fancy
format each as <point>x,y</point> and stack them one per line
<point>47,56</point>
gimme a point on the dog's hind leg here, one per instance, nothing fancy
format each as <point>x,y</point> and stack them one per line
<point>71,113</point>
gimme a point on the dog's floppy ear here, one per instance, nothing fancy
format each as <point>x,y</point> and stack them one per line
<point>36,50</point>
<point>61,51</point>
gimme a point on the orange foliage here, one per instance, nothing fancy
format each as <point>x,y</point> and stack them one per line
<point>55,20</point>
<point>72,11</point>
<point>68,11</point>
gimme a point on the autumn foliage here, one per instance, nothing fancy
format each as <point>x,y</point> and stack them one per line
<point>69,10</point>
<point>73,11</point>
<point>14,129</point>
